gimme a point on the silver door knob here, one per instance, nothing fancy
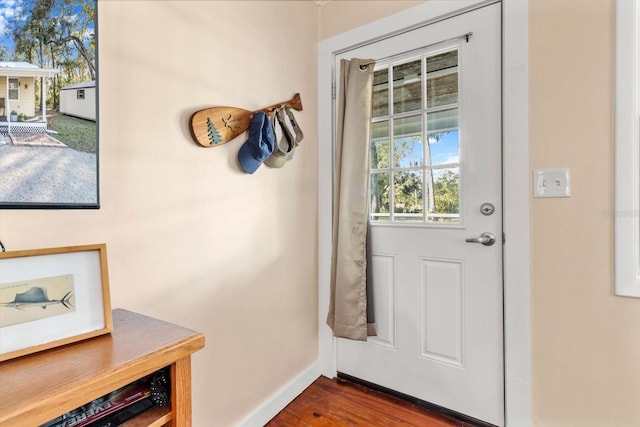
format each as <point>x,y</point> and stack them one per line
<point>485,238</point>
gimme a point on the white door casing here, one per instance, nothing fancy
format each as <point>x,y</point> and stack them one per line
<point>438,298</point>
<point>515,172</point>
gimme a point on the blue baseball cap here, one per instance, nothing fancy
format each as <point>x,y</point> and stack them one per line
<point>259,145</point>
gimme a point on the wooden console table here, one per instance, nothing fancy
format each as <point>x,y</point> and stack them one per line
<point>40,387</point>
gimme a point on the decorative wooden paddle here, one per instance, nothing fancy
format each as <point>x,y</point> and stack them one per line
<point>215,126</point>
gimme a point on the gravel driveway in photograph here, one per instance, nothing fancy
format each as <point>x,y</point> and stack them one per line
<point>47,174</point>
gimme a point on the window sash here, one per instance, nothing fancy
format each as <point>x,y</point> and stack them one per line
<point>14,89</point>
<point>424,111</point>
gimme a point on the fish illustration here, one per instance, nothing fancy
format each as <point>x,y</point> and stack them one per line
<point>36,297</point>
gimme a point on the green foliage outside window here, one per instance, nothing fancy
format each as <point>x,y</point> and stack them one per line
<point>447,193</point>
<point>409,185</point>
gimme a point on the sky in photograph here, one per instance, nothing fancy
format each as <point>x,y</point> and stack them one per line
<point>7,10</point>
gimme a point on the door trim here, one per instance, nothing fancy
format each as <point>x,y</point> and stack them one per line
<point>516,184</point>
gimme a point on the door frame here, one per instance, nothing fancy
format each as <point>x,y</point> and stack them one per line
<point>516,181</point>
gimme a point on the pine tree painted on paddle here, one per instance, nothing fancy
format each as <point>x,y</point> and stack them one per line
<point>214,136</point>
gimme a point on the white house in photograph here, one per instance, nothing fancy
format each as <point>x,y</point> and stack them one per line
<point>18,95</point>
<point>79,100</point>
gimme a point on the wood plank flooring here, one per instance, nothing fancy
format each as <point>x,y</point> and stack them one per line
<point>341,403</point>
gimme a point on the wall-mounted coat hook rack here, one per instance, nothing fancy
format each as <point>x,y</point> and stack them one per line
<point>215,126</point>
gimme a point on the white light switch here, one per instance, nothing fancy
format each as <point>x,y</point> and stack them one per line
<point>551,183</point>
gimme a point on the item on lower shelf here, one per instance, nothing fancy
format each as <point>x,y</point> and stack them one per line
<point>124,414</point>
<point>116,406</point>
<point>160,388</point>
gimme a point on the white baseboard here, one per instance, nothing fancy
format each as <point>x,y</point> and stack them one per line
<point>269,409</point>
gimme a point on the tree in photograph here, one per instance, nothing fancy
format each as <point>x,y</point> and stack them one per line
<point>56,34</point>
<point>77,32</point>
<point>4,53</point>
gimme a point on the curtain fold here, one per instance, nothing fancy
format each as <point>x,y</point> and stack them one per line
<point>348,301</point>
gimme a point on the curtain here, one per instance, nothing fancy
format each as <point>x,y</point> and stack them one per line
<point>348,300</point>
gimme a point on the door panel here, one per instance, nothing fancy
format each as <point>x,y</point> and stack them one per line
<point>435,159</point>
<point>384,292</point>
<point>441,310</point>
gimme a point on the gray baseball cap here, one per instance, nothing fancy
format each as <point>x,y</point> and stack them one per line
<point>283,145</point>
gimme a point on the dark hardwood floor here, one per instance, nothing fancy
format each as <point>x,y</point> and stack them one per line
<point>342,403</point>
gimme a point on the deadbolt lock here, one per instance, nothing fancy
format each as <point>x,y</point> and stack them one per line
<point>487,209</point>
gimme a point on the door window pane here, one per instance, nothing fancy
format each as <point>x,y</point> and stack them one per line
<point>441,121</point>
<point>379,208</point>
<point>380,145</point>
<point>407,142</point>
<point>445,205</point>
<point>443,148</point>
<point>407,87</point>
<point>442,79</point>
<point>408,204</point>
<point>380,100</point>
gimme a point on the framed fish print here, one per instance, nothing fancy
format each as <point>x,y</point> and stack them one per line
<point>52,297</point>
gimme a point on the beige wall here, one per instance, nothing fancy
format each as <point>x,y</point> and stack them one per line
<point>338,16</point>
<point>191,239</point>
<point>586,342</point>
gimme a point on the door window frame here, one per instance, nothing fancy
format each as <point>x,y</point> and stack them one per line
<point>516,182</point>
<point>425,218</point>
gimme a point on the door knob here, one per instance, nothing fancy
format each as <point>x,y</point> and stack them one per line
<point>485,238</point>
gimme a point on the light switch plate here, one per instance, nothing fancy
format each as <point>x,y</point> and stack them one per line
<point>551,182</point>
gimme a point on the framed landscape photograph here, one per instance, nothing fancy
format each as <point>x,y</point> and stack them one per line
<point>51,297</point>
<point>49,104</point>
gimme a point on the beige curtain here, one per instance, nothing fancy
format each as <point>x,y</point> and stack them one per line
<point>348,304</point>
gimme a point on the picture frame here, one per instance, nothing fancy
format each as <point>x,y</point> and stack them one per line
<point>52,297</point>
<point>49,114</point>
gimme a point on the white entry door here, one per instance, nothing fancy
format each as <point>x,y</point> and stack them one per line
<point>435,218</point>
